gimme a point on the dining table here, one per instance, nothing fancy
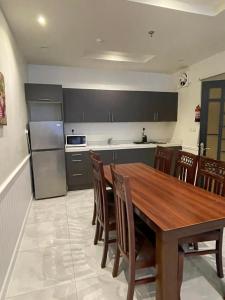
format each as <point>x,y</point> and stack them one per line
<point>174,210</point>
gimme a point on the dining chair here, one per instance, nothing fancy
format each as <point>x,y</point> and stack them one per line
<point>136,246</point>
<point>97,157</point>
<point>186,166</point>
<point>105,209</point>
<point>163,159</point>
<point>211,177</point>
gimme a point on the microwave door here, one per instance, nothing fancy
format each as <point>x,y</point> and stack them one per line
<point>46,135</point>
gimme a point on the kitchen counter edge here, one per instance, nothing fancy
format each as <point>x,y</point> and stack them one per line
<point>118,147</point>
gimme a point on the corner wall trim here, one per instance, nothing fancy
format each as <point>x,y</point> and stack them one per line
<point>13,175</point>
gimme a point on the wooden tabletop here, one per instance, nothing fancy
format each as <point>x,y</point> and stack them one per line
<point>168,202</point>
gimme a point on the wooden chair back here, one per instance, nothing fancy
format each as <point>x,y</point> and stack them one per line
<point>211,175</point>
<point>94,154</point>
<point>163,159</point>
<point>101,199</point>
<point>124,214</point>
<point>186,166</point>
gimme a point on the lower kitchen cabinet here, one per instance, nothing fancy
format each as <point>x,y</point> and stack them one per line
<point>79,170</point>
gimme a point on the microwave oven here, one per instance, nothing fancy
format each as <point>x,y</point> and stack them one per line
<point>76,140</point>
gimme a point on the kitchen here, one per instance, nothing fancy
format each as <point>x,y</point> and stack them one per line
<point>121,105</point>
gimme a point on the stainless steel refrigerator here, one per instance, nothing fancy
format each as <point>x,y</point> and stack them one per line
<point>48,159</point>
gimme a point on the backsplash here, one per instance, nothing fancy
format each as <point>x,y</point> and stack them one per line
<point>126,132</point>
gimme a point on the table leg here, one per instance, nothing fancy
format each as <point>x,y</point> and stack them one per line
<point>167,269</point>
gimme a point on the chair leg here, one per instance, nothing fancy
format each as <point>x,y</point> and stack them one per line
<point>106,246</point>
<point>195,246</point>
<point>94,215</point>
<point>180,272</point>
<point>219,256</point>
<point>131,281</point>
<point>96,233</point>
<point>116,263</point>
<point>100,233</point>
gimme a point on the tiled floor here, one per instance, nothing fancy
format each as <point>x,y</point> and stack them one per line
<point>58,261</point>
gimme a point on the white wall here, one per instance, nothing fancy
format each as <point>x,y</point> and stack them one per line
<point>15,183</point>
<point>114,80</point>
<point>100,79</point>
<point>13,147</point>
<point>186,129</point>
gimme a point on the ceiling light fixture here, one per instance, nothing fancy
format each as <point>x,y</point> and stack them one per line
<point>151,33</point>
<point>120,56</point>
<point>41,20</point>
<point>99,40</point>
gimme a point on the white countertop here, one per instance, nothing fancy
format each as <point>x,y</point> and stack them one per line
<point>118,147</point>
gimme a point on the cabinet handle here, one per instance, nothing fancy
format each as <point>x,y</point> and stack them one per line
<point>112,117</point>
<point>76,160</point>
<point>157,116</point>
<point>109,116</point>
<point>77,154</point>
<point>83,116</point>
<point>154,116</point>
<point>75,175</point>
<point>113,156</point>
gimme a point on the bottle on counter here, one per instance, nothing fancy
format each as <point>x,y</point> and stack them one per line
<point>144,136</point>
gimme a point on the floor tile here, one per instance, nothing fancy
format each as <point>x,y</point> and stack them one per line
<point>40,268</point>
<point>41,213</point>
<point>101,288</point>
<point>64,291</point>
<point>45,234</point>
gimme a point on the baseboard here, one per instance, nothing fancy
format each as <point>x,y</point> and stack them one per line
<point>14,256</point>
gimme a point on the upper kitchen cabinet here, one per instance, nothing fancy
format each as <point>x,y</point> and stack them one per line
<point>44,102</point>
<point>43,92</point>
<point>166,107</point>
<point>82,105</point>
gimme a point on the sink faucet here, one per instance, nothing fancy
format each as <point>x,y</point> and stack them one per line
<point>109,141</point>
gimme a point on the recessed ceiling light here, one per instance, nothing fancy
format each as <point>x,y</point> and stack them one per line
<point>120,56</point>
<point>99,40</point>
<point>41,20</point>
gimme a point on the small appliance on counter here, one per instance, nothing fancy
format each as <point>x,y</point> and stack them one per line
<point>144,140</point>
<point>144,137</point>
<point>74,140</point>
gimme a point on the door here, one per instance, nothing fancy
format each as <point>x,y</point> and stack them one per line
<point>212,129</point>
<point>46,135</point>
<point>49,173</point>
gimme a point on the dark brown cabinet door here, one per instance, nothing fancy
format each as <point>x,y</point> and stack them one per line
<point>86,105</point>
<point>107,156</point>
<point>126,156</point>
<point>166,107</point>
<point>118,106</point>
<point>43,92</point>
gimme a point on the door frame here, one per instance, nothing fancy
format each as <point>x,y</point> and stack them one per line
<point>206,86</point>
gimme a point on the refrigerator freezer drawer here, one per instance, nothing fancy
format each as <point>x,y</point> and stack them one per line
<point>49,173</point>
<point>46,135</point>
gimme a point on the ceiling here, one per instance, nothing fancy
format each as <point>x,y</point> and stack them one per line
<point>69,37</point>
<point>204,7</point>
